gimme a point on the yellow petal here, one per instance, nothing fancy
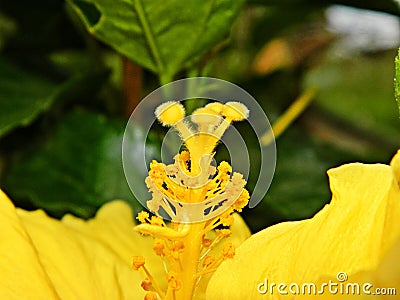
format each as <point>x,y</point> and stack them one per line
<point>21,273</point>
<point>388,272</point>
<point>350,234</point>
<point>114,227</point>
<point>81,260</point>
<point>395,164</point>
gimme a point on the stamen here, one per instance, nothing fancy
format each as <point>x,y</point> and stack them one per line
<point>228,252</point>
<point>176,249</point>
<point>151,296</point>
<point>137,262</point>
<point>158,247</point>
<point>242,201</point>
<point>206,242</point>
<point>143,216</point>
<point>226,220</point>
<point>173,281</point>
<point>147,285</point>
<point>208,261</point>
<point>157,221</point>
<point>221,234</point>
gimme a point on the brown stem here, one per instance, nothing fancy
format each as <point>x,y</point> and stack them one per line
<point>132,77</point>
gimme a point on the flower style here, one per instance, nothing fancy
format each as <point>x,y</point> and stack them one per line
<point>197,197</point>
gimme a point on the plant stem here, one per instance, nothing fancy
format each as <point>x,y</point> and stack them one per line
<point>131,85</point>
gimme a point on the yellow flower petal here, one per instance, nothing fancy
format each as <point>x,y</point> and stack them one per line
<point>21,273</point>
<point>80,265</point>
<point>351,234</point>
<point>395,164</point>
<point>387,274</point>
<point>43,258</point>
<point>114,226</point>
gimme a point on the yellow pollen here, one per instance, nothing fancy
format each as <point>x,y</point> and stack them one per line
<point>173,282</point>
<point>137,262</point>
<point>227,220</point>
<point>223,232</point>
<point>228,252</point>
<point>158,247</point>
<point>146,284</point>
<point>242,201</point>
<point>176,249</point>
<point>206,242</point>
<point>151,296</point>
<point>142,216</point>
<point>156,220</point>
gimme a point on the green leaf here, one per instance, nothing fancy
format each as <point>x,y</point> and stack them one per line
<point>163,36</point>
<point>78,170</point>
<point>23,97</point>
<point>359,92</point>
<point>397,80</point>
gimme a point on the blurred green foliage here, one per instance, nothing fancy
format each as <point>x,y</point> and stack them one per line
<point>72,71</point>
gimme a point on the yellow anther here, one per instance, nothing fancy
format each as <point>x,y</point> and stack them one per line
<point>208,261</point>
<point>217,107</point>
<point>206,242</point>
<point>137,262</point>
<point>241,201</point>
<point>176,249</point>
<point>224,167</point>
<point>158,247</point>
<point>204,116</point>
<point>228,251</point>
<point>227,220</point>
<point>222,233</point>
<point>235,111</point>
<point>151,296</point>
<point>156,220</point>
<point>170,113</point>
<point>177,246</point>
<point>143,216</point>
<point>173,282</point>
<point>146,284</point>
